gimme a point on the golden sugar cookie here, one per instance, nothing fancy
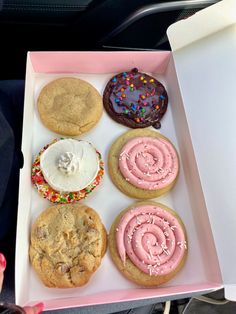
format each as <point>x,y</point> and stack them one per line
<point>69,106</point>
<point>148,243</point>
<point>67,245</point>
<point>143,164</point>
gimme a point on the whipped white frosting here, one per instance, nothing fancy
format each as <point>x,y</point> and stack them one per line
<point>69,165</point>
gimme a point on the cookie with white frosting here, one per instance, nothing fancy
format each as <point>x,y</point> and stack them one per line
<point>67,170</point>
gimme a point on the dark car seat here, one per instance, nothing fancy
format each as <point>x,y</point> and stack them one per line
<point>85,25</point>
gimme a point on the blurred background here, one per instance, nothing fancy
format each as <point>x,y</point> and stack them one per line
<point>29,25</point>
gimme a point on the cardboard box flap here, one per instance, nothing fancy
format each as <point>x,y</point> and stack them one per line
<point>205,61</point>
<point>204,23</point>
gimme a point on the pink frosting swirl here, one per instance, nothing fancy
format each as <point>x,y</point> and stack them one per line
<point>149,163</point>
<point>152,238</point>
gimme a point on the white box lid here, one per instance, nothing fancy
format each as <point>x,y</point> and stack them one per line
<point>204,52</point>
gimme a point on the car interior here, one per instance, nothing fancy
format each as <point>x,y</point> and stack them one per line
<point>71,25</point>
<point>75,25</point>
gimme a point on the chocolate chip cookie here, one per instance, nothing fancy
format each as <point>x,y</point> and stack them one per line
<point>67,245</point>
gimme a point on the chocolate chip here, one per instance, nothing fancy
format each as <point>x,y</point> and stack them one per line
<point>41,232</point>
<point>62,268</point>
<point>81,269</point>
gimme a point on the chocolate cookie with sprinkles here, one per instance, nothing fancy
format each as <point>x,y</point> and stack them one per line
<point>135,99</point>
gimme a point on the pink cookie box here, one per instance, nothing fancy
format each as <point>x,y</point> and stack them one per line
<point>200,121</point>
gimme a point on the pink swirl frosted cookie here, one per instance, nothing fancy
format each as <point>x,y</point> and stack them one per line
<point>148,243</point>
<point>143,164</point>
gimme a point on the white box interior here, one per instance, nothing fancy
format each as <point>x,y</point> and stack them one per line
<point>186,197</point>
